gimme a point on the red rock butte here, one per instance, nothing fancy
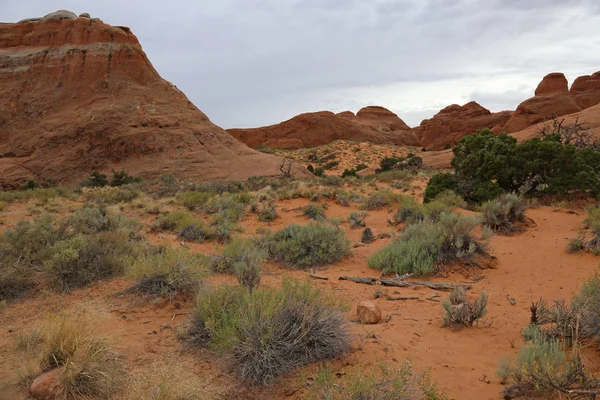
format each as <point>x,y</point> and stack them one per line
<point>77,94</point>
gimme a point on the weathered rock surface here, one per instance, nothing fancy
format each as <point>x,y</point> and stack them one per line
<point>541,108</point>
<point>368,312</point>
<point>452,123</point>
<point>586,90</point>
<point>77,94</point>
<point>371,124</point>
<point>554,82</point>
<point>47,385</point>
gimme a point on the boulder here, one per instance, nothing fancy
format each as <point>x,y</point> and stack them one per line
<point>541,108</point>
<point>78,95</point>
<point>368,312</point>
<point>555,82</point>
<point>46,386</point>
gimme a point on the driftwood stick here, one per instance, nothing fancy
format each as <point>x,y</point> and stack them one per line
<point>358,279</point>
<point>431,285</point>
<point>433,298</point>
<point>315,276</point>
<point>390,298</point>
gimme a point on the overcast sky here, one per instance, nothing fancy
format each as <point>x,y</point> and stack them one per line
<point>248,63</point>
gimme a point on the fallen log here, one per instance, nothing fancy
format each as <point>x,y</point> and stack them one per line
<point>430,285</point>
<point>358,279</point>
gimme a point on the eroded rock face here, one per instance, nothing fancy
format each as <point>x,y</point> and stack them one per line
<point>371,124</point>
<point>555,82</point>
<point>541,108</point>
<point>452,123</point>
<point>77,94</point>
<point>586,90</point>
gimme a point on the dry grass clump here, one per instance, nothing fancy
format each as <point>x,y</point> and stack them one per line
<point>589,239</point>
<point>89,365</point>
<point>357,219</point>
<point>268,332</point>
<point>400,383</point>
<point>314,211</point>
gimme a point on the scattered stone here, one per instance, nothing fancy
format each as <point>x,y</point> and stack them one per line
<point>47,385</point>
<point>166,325</point>
<point>368,312</point>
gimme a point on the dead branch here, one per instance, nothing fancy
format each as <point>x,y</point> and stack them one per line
<point>357,279</point>
<point>390,298</point>
<point>430,285</point>
<point>286,169</point>
<point>315,276</point>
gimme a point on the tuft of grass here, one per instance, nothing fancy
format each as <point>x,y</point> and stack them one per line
<point>588,240</point>
<point>357,219</point>
<point>427,245</point>
<point>307,245</point>
<point>268,332</point>
<point>314,211</point>
<point>460,311</point>
<point>89,366</point>
<point>112,195</point>
<point>399,383</point>
<point>167,274</point>
<point>504,214</point>
<point>266,210</point>
<point>451,199</point>
<point>239,250</point>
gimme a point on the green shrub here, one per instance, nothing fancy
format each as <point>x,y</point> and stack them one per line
<point>89,220</point>
<point>224,230</point>
<point>81,260</point>
<point>307,245</point>
<point>427,245</point>
<point>357,219</point>
<point>588,240</point>
<point>43,194</point>
<point>167,274</point>
<point>3,205</point>
<point>460,311</point>
<point>193,200</point>
<point>176,221</point>
<point>228,207</point>
<point>541,366</point>
<point>248,269</point>
<point>504,213</point>
<point>587,306</point>
<point>113,195</point>
<point>14,282</point>
<point>268,332</point>
<point>196,232</point>
<point>592,220</point>
<point>487,165</point>
<point>320,171</point>
<point>367,236</point>
<point>121,178</point>
<point>314,211</point>
<point>410,162</point>
<point>95,180</point>
<point>438,184</point>
<point>349,172</point>
<point>400,383</point>
<point>409,211</point>
<point>31,185</point>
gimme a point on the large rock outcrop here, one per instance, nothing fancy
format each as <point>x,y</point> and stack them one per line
<point>586,90</point>
<point>77,94</point>
<point>371,124</point>
<point>552,98</point>
<point>452,123</point>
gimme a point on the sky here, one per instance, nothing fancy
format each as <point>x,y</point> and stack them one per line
<point>249,63</point>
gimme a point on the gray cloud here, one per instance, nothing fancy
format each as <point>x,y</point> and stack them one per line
<point>256,62</point>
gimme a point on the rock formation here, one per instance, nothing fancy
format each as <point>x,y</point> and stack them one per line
<point>452,123</point>
<point>554,82</point>
<point>552,98</point>
<point>586,90</point>
<point>77,94</point>
<point>371,124</point>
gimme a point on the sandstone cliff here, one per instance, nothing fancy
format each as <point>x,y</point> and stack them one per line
<point>77,94</point>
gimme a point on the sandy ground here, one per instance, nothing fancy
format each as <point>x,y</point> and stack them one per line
<point>529,265</point>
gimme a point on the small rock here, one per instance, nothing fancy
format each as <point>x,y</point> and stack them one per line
<point>359,244</point>
<point>84,15</point>
<point>166,326</point>
<point>47,385</point>
<point>368,312</point>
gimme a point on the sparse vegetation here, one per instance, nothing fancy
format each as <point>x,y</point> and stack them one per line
<point>427,245</point>
<point>504,214</point>
<point>268,332</point>
<point>307,245</point>
<point>167,274</point>
<point>314,211</point>
<point>589,238</point>
<point>400,383</point>
<point>460,311</point>
<point>357,219</point>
